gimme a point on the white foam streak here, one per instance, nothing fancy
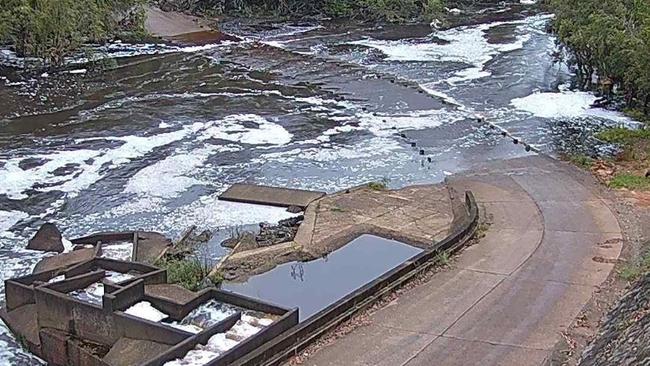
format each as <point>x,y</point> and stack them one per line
<point>566,104</point>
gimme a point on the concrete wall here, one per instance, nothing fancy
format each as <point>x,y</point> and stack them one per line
<point>124,297</point>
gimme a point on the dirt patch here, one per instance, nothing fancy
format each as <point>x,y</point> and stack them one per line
<point>172,25</point>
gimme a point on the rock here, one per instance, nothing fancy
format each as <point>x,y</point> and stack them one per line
<point>294,209</point>
<point>246,242</point>
<point>47,239</point>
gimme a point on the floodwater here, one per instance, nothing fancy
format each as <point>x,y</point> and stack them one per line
<point>312,286</point>
<point>152,141</point>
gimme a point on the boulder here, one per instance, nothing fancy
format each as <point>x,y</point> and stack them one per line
<point>294,209</point>
<point>47,239</point>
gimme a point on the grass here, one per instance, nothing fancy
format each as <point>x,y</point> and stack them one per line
<point>443,258</point>
<point>623,136</point>
<point>189,272</point>
<point>637,115</point>
<point>631,272</point>
<point>630,181</point>
<point>481,230</point>
<point>379,185</point>
<point>581,160</point>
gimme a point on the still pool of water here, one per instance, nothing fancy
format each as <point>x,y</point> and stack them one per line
<point>312,286</point>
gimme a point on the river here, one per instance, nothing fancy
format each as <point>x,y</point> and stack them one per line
<point>151,142</point>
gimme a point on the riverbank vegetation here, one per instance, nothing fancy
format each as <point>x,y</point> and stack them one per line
<point>189,272</point>
<point>52,29</point>
<point>363,10</point>
<point>609,44</point>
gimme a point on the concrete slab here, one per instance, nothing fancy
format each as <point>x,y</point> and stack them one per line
<point>457,352</point>
<point>23,320</point>
<point>490,188</point>
<point>150,246</point>
<point>573,258</point>
<point>523,313</point>
<point>128,352</point>
<point>545,187</point>
<point>173,293</point>
<point>272,196</point>
<point>522,215</point>
<point>586,216</point>
<point>65,260</point>
<point>488,254</point>
<point>387,350</point>
<point>446,297</point>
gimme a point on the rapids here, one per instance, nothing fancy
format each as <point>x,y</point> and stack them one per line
<point>150,143</point>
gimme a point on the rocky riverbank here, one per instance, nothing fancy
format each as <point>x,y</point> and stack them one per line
<point>624,338</point>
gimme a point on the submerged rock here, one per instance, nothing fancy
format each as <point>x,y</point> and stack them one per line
<point>47,239</point>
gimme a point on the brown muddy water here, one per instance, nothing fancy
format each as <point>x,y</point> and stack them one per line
<point>151,141</point>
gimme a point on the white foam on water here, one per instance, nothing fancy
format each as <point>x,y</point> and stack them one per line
<point>213,213</point>
<point>117,277</point>
<point>91,165</point>
<point>242,330</point>
<point>175,171</point>
<point>17,180</point>
<point>67,245</point>
<point>468,45</point>
<point>387,125</point>
<point>145,310</point>
<point>122,251</point>
<point>232,128</point>
<point>565,104</point>
<point>10,218</point>
<point>56,279</point>
<point>91,294</point>
<point>220,343</point>
<point>194,357</point>
<point>378,146</point>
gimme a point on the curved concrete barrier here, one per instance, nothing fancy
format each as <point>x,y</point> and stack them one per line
<point>302,335</point>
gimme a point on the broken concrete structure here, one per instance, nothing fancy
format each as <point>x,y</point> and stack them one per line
<point>416,215</point>
<point>105,312</point>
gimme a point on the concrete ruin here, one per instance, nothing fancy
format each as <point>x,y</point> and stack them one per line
<point>103,312</point>
<point>106,304</point>
<point>417,215</point>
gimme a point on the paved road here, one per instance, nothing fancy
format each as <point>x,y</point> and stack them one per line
<point>508,298</point>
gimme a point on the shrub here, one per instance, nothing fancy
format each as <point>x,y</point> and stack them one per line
<point>623,135</point>
<point>189,272</point>
<point>52,29</point>
<point>629,181</point>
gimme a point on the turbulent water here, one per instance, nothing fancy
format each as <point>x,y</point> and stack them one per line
<point>150,143</point>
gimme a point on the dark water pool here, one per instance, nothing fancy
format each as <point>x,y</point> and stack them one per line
<point>312,286</point>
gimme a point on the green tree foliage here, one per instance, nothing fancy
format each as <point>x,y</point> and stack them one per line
<point>609,39</point>
<point>51,29</point>
<point>365,10</point>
